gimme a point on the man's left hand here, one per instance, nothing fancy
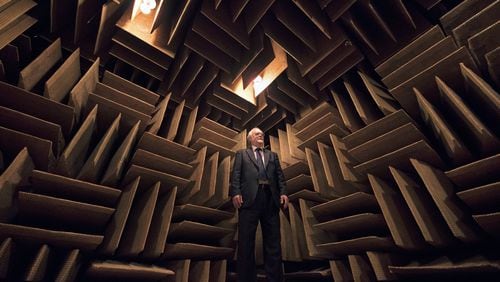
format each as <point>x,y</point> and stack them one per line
<point>284,201</point>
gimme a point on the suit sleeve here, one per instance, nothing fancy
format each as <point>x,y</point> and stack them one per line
<point>235,187</point>
<point>280,176</point>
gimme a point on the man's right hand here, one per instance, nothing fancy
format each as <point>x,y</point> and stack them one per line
<point>237,201</point>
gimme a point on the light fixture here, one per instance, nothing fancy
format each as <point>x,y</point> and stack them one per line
<point>266,76</point>
<point>272,70</point>
<point>258,85</point>
<point>146,6</point>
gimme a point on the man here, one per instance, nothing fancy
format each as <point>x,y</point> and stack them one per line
<point>258,189</point>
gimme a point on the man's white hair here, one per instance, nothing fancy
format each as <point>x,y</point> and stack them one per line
<point>252,132</point>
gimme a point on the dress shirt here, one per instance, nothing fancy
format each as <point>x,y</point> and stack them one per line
<point>255,152</point>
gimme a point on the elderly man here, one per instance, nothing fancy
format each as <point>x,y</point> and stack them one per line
<point>258,189</point>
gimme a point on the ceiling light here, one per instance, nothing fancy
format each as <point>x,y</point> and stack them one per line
<point>146,6</point>
<point>266,76</point>
<point>258,85</point>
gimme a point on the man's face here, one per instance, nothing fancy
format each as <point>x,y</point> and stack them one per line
<point>257,138</point>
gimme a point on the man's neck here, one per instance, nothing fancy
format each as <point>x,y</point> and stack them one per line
<point>255,147</point>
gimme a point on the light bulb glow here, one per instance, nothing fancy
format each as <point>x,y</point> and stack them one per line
<point>258,85</point>
<point>146,6</point>
<point>151,3</point>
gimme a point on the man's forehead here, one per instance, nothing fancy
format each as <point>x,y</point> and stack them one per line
<point>258,132</point>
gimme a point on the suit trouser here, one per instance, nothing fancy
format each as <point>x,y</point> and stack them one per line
<point>265,211</point>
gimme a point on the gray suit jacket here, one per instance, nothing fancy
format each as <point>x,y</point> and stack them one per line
<point>245,176</point>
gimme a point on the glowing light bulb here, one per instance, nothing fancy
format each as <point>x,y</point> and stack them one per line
<point>145,8</point>
<point>151,3</point>
<point>147,5</point>
<point>258,85</point>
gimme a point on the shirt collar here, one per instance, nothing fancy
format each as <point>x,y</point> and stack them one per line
<point>255,147</point>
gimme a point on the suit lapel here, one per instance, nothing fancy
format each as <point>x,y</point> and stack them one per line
<point>267,156</point>
<point>251,155</point>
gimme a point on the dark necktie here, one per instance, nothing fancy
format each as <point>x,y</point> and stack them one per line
<point>260,162</point>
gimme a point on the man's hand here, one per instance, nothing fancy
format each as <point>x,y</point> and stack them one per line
<point>237,201</point>
<point>283,201</point>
